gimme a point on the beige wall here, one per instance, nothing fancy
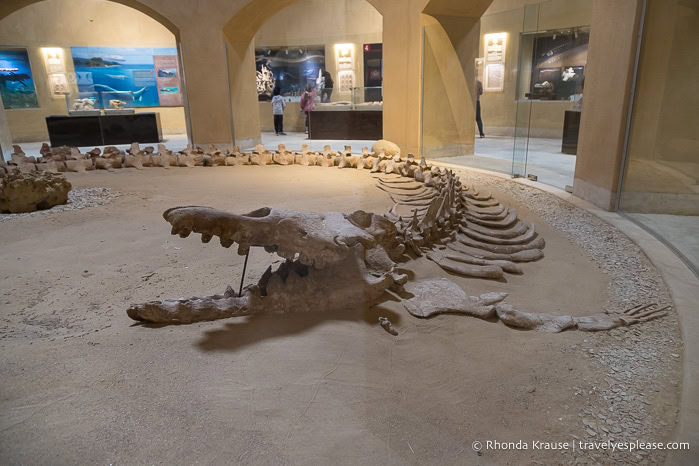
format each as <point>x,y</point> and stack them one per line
<point>498,108</point>
<point>55,23</point>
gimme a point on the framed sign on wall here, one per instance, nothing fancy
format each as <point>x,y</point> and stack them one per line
<point>495,52</point>
<point>56,71</point>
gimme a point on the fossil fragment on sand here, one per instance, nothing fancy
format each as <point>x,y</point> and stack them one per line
<point>216,158</point>
<point>387,325</point>
<point>387,147</point>
<point>260,156</point>
<point>597,322</point>
<point>28,192</point>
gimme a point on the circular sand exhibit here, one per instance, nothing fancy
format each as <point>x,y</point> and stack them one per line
<point>84,382</point>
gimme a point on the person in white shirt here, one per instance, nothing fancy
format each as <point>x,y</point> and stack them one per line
<point>278,106</point>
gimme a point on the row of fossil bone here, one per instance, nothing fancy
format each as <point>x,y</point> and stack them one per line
<point>70,159</point>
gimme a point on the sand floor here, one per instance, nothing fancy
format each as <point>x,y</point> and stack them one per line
<point>82,384</point>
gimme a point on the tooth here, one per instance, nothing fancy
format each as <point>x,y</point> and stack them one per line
<point>184,232</point>
<point>226,242</point>
<point>243,249</point>
<point>205,237</point>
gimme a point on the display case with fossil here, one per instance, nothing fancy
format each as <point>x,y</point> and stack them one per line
<point>118,102</point>
<point>83,103</point>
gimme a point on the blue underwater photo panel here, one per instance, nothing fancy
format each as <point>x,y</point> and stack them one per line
<point>16,81</point>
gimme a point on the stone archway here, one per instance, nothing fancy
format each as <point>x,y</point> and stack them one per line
<point>239,33</point>
<point>8,7</point>
<point>27,14</point>
<point>402,50</point>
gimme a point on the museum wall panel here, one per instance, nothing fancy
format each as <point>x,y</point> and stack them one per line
<point>56,23</point>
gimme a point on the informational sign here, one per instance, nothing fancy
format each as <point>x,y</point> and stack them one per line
<point>16,82</point>
<point>495,51</point>
<point>494,77</point>
<point>150,74</point>
<point>346,80</point>
<point>167,77</point>
<point>344,64</point>
<point>495,47</point>
<point>56,71</point>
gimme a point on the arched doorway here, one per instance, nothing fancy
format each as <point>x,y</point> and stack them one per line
<point>37,28</point>
<point>287,34</point>
<point>335,47</point>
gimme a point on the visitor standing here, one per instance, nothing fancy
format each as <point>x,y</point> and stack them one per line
<point>278,106</point>
<point>306,103</point>
<point>479,93</point>
<point>328,89</point>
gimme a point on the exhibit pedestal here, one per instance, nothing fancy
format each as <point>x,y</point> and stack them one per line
<point>102,130</point>
<point>571,128</point>
<point>346,124</point>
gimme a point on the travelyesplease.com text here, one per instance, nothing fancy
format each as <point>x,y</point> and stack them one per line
<point>577,445</point>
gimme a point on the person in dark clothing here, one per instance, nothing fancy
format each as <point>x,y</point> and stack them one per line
<point>479,93</point>
<point>328,89</point>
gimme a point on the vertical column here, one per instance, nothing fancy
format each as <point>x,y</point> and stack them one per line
<point>608,78</point>
<point>5,138</point>
<point>204,63</point>
<point>402,39</point>
<point>244,106</point>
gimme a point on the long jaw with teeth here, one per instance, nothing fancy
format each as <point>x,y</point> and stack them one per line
<point>332,262</point>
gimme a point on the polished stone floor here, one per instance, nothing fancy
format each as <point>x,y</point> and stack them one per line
<point>543,158</point>
<point>681,232</point>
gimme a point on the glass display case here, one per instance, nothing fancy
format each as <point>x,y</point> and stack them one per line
<point>118,102</point>
<point>83,103</point>
<point>291,69</point>
<point>553,64</point>
<point>367,98</point>
<point>361,98</point>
